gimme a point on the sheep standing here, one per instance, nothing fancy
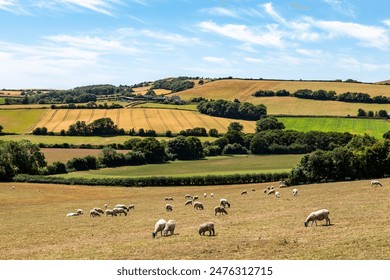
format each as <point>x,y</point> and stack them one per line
<point>188,196</point>
<point>198,205</point>
<point>131,206</point>
<point>295,192</point>
<point>271,191</point>
<point>223,202</point>
<point>205,195</point>
<point>122,206</point>
<point>93,213</point>
<point>169,227</point>
<point>375,183</point>
<point>277,194</point>
<point>159,227</point>
<point>169,207</point>
<point>110,212</point>
<point>105,205</point>
<point>119,211</point>
<point>212,195</point>
<point>188,202</point>
<point>99,210</point>
<point>220,209</point>
<point>206,227</point>
<point>244,192</point>
<point>318,215</point>
<point>196,197</point>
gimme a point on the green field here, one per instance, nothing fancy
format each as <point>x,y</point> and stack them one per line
<point>373,127</point>
<point>221,165</point>
<point>19,121</point>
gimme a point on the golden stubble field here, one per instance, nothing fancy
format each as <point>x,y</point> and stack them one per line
<point>34,225</point>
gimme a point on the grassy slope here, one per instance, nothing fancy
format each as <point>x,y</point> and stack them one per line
<point>19,121</point>
<point>257,227</point>
<point>213,165</point>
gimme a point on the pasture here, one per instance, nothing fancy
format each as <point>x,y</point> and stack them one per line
<point>19,120</point>
<point>220,165</point>
<point>258,226</point>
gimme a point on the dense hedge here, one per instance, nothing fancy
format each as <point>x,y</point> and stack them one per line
<point>157,181</point>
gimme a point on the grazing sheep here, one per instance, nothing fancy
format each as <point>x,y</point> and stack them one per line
<point>159,227</point>
<point>168,207</point>
<point>110,212</point>
<point>94,213</point>
<point>272,187</point>
<point>212,194</point>
<point>187,196</point>
<point>80,211</point>
<point>131,206</point>
<point>277,194</point>
<point>13,188</point>
<point>253,190</point>
<point>122,206</point>
<point>168,198</point>
<point>272,191</point>
<point>295,192</point>
<point>375,183</point>
<point>220,209</point>
<point>169,227</point>
<point>318,215</point>
<point>205,195</point>
<point>223,202</point>
<point>72,214</point>
<point>206,227</point>
<point>196,197</point>
<point>198,205</point>
<point>120,211</point>
<point>244,192</point>
<point>282,184</point>
<point>99,210</point>
<point>188,202</point>
<point>105,205</point>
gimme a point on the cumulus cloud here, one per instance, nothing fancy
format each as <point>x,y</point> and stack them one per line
<point>216,60</point>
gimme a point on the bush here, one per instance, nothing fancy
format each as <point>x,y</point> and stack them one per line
<point>234,149</point>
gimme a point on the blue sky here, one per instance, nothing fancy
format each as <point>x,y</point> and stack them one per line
<point>68,43</point>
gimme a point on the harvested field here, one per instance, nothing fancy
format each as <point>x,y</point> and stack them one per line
<point>258,226</point>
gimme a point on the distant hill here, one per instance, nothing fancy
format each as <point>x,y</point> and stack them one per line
<point>387,82</point>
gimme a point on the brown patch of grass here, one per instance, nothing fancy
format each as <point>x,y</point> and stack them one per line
<point>258,226</point>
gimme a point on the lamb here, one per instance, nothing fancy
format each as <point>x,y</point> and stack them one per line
<point>318,215</point>
<point>244,192</point>
<point>120,211</point>
<point>105,205</point>
<point>110,212</point>
<point>99,210</point>
<point>212,194</point>
<point>170,227</point>
<point>72,214</point>
<point>168,207</point>
<point>295,192</point>
<point>375,183</point>
<point>223,202</point>
<point>220,209</point>
<point>122,206</point>
<point>198,205</point>
<point>94,213</point>
<point>277,194</point>
<point>205,195</point>
<point>131,206</point>
<point>80,211</point>
<point>159,227</point>
<point>206,227</point>
<point>188,202</point>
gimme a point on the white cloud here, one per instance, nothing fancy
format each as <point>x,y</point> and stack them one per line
<point>266,36</point>
<point>310,53</point>
<point>220,11</point>
<point>253,60</point>
<point>271,11</point>
<point>351,63</point>
<point>7,4</point>
<point>386,22</point>
<point>216,60</point>
<point>342,7</point>
<point>369,36</point>
<point>99,6</point>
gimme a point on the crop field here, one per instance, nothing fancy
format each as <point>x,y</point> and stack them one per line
<point>190,107</point>
<point>159,120</point>
<point>258,226</point>
<point>373,127</point>
<point>19,121</point>
<point>221,165</point>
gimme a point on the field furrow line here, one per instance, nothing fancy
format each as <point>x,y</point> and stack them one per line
<point>217,121</point>
<point>37,122</point>
<point>132,118</point>
<point>250,125</point>
<point>186,119</point>
<point>177,120</point>
<point>63,120</point>
<point>118,115</point>
<point>51,118</point>
<point>147,118</point>
<point>162,120</point>
<point>105,113</point>
<point>206,125</point>
<point>91,116</point>
<point>78,116</point>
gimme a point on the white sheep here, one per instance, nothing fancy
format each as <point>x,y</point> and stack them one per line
<point>169,227</point>
<point>282,184</point>
<point>72,214</point>
<point>212,195</point>
<point>318,215</point>
<point>206,227</point>
<point>105,205</point>
<point>110,212</point>
<point>13,188</point>
<point>205,195</point>
<point>220,209</point>
<point>99,210</point>
<point>80,211</point>
<point>244,192</point>
<point>188,202</point>
<point>277,194</point>
<point>168,207</point>
<point>94,213</point>
<point>122,206</point>
<point>295,192</point>
<point>198,205</point>
<point>131,206</point>
<point>196,197</point>
<point>375,183</point>
<point>159,227</point>
<point>223,202</point>
<point>271,191</point>
<point>188,196</point>
<point>120,211</point>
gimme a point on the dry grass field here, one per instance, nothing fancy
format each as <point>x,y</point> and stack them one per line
<point>34,225</point>
<point>160,120</point>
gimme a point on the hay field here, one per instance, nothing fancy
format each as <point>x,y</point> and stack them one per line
<point>159,120</point>
<point>220,165</point>
<point>34,223</point>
